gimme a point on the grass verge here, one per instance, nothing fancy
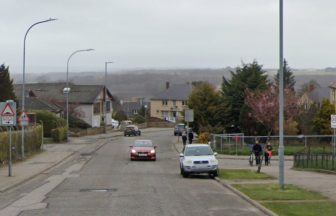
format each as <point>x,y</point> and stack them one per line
<point>242,174</point>
<point>291,201</point>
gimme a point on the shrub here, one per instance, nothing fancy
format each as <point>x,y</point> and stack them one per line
<point>33,142</point>
<point>138,119</point>
<point>50,121</point>
<point>59,134</point>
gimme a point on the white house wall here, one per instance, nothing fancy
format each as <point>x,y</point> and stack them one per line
<point>85,112</point>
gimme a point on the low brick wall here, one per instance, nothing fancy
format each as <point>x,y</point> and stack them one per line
<point>161,124</point>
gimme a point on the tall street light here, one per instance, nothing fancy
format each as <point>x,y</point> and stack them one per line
<point>105,94</point>
<point>24,78</point>
<point>281,101</point>
<point>66,90</point>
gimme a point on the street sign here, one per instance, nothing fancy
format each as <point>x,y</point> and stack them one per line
<point>189,115</point>
<point>24,119</point>
<point>333,121</point>
<point>8,113</point>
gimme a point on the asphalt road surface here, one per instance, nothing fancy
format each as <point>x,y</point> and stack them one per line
<point>108,183</point>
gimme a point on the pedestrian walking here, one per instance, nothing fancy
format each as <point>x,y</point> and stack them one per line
<point>184,138</point>
<point>257,150</point>
<point>190,136</point>
<point>268,153</point>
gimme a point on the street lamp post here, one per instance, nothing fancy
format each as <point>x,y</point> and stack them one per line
<point>105,94</point>
<point>145,115</point>
<point>67,88</point>
<point>24,78</point>
<point>281,101</point>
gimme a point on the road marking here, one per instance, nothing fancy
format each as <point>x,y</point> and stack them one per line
<point>34,199</point>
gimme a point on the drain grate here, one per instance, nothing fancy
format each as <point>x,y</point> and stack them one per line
<point>98,190</point>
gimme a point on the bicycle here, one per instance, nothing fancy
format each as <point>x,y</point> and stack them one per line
<point>251,158</point>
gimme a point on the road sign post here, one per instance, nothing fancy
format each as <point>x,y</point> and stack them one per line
<point>8,119</point>
<point>188,116</point>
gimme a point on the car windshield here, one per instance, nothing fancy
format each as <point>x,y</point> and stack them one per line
<point>198,151</point>
<point>180,127</point>
<point>143,143</point>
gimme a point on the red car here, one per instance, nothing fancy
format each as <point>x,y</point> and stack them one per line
<point>143,150</point>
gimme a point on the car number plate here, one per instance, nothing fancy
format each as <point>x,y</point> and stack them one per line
<point>141,155</point>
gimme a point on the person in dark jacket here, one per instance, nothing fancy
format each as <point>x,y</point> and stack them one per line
<point>184,138</point>
<point>190,136</point>
<point>257,150</point>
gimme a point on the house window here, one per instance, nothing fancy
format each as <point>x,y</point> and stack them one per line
<point>96,108</point>
<point>108,106</point>
<point>174,102</point>
<point>135,112</point>
<point>184,103</point>
<point>164,102</point>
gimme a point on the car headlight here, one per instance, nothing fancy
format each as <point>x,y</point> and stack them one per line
<point>133,151</point>
<point>152,151</point>
<point>188,162</point>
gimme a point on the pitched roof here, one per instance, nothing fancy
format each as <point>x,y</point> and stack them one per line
<point>33,103</point>
<point>84,94</point>
<point>174,92</point>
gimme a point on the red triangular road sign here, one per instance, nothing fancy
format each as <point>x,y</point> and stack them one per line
<point>7,111</point>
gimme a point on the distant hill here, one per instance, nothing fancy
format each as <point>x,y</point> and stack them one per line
<point>147,82</point>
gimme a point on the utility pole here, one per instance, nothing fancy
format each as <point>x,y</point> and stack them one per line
<point>281,101</point>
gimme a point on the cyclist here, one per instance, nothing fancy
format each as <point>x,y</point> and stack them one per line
<point>257,150</point>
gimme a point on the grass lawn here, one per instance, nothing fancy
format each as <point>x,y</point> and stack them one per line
<point>289,202</point>
<point>267,192</point>
<point>325,208</point>
<point>242,174</point>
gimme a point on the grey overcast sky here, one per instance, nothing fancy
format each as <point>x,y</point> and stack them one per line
<point>165,33</point>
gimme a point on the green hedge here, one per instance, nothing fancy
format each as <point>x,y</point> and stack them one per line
<point>33,142</point>
<point>50,121</point>
<point>59,134</point>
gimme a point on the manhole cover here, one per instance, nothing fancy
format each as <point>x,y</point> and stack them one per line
<point>98,190</point>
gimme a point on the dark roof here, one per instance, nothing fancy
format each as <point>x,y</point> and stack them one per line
<point>129,106</point>
<point>84,94</point>
<point>33,103</point>
<point>174,92</point>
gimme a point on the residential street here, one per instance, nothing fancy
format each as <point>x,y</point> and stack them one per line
<point>106,182</point>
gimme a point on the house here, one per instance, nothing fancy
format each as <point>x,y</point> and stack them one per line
<point>86,102</point>
<point>32,103</point>
<point>171,103</point>
<point>133,106</point>
<point>332,99</point>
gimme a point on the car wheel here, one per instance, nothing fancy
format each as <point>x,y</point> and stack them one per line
<point>185,174</point>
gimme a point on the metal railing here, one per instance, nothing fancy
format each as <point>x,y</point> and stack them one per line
<point>321,161</point>
<point>239,144</point>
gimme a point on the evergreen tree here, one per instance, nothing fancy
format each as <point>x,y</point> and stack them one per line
<point>289,78</point>
<point>321,122</point>
<point>6,85</point>
<point>205,100</point>
<point>249,77</point>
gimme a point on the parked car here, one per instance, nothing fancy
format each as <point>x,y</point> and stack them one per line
<point>132,130</point>
<point>124,124</point>
<point>143,150</point>
<point>178,129</point>
<point>197,159</point>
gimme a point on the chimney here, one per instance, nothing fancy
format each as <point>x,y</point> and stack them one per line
<point>167,85</point>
